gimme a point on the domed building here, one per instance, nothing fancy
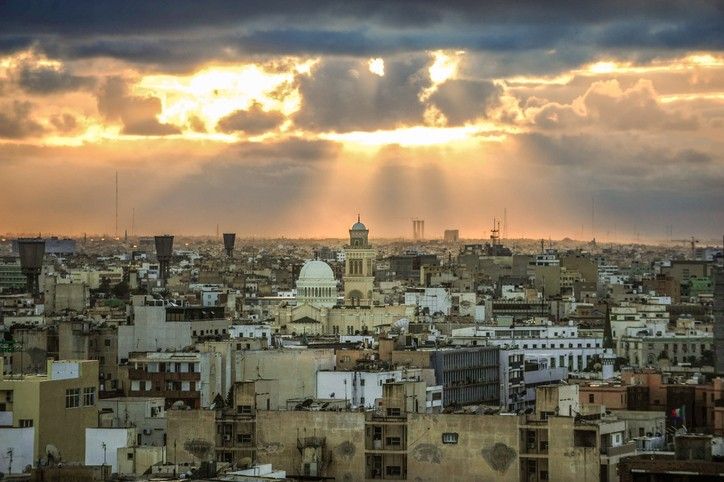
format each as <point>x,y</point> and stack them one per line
<point>317,285</point>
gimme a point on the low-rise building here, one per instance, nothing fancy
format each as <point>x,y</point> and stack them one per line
<point>57,408</point>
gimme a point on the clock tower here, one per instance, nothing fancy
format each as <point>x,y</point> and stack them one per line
<point>358,270</point>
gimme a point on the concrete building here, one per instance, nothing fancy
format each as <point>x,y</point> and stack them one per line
<point>400,443</point>
<point>162,325</point>
<point>347,320</point>
<point>103,444</point>
<point>650,345</point>
<point>83,339</point>
<point>295,369</point>
<point>362,388</point>
<point>191,437</point>
<point>53,245</point>
<point>718,311</point>
<point>146,414</point>
<point>468,376</point>
<point>94,278</point>
<point>10,275</point>
<point>192,378</point>
<point>451,236</point>
<point>57,407</point>
<point>563,345</point>
<point>64,296</point>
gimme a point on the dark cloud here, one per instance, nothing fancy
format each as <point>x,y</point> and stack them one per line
<point>16,121</point>
<point>184,34</point>
<point>343,95</point>
<point>465,100</point>
<point>138,114</point>
<point>253,121</point>
<point>40,79</point>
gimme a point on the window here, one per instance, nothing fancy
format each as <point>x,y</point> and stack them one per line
<point>450,438</point>
<point>89,396</point>
<point>393,412</point>
<point>396,441</point>
<point>107,342</point>
<point>393,470</point>
<point>26,422</point>
<point>591,398</point>
<point>72,398</point>
<point>243,409</point>
<point>243,438</point>
<point>129,455</point>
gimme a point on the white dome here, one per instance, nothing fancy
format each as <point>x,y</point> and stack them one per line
<point>318,270</point>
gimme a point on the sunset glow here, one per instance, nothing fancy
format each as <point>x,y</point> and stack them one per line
<point>277,115</point>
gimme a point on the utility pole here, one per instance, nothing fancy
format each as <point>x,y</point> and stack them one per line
<point>103,444</point>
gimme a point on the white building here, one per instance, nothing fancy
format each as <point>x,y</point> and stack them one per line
<point>563,346</point>
<point>359,388</point>
<point>101,445</point>
<point>160,325</point>
<point>146,414</point>
<point>257,330</point>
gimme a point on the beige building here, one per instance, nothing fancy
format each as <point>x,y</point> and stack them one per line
<point>399,444</point>
<point>358,268</point>
<point>347,320</point>
<point>294,369</point>
<point>58,406</point>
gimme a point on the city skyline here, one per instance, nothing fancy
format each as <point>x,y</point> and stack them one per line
<point>287,119</point>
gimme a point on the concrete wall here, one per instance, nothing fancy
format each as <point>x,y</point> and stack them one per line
<point>567,460</point>
<point>20,441</point>
<point>487,448</point>
<point>277,434</point>
<point>113,438</point>
<point>295,369</point>
<point>188,433</point>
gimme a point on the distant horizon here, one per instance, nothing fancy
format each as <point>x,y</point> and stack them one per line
<point>701,243</point>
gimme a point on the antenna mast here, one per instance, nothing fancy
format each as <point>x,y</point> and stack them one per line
<point>116,230</point>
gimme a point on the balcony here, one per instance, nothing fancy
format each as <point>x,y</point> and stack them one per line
<point>627,448</point>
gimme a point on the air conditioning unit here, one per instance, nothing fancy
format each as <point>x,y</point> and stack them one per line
<point>227,438</point>
<point>147,431</point>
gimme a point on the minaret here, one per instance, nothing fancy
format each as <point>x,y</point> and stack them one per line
<point>608,359</point>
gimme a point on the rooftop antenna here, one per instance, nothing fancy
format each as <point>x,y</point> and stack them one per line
<point>593,217</point>
<point>505,223</point>
<point>116,231</point>
<point>133,221</point>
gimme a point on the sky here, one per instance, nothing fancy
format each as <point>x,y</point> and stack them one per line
<point>288,118</point>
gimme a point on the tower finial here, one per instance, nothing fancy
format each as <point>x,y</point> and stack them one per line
<point>358,218</point>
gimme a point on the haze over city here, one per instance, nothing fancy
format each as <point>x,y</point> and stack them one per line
<point>288,118</point>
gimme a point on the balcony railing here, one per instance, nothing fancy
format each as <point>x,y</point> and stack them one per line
<point>626,448</point>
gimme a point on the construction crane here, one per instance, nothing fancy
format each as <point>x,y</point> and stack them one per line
<point>692,242</point>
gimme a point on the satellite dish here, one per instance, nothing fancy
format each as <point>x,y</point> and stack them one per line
<point>53,453</point>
